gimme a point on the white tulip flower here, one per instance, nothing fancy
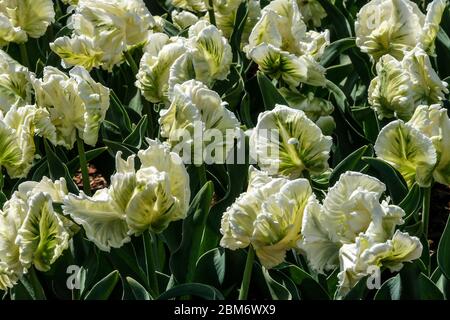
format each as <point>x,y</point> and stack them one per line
<point>312,11</point>
<point>268,217</point>
<point>159,55</point>
<point>69,104</point>
<point>359,258</point>
<point>286,142</point>
<point>197,110</point>
<point>395,27</point>
<point>102,31</point>
<point>283,48</point>
<point>400,86</point>
<point>355,230</point>
<point>17,140</point>
<point>410,151</point>
<point>137,200</point>
<point>23,19</point>
<point>15,85</point>
<point>433,121</point>
<point>31,232</point>
<point>183,19</point>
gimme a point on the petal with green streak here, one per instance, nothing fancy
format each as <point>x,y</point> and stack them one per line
<point>154,70</point>
<point>17,141</point>
<point>409,151</point>
<point>434,122</point>
<point>388,27</point>
<point>121,189</point>
<point>78,51</point>
<point>265,31</point>
<point>435,10</point>
<point>321,251</point>
<point>277,228</point>
<point>287,139</point>
<point>11,219</point>
<point>42,237</point>
<point>427,87</point>
<point>15,85</point>
<point>151,206</point>
<point>181,71</point>
<point>10,33</point>
<point>34,16</point>
<point>390,92</point>
<point>10,153</point>
<point>95,99</point>
<point>392,254</point>
<point>211,54</point>
<point>279,64</point>
<point>157,155</point>
<point>237,222</point>
<point>102,223</point>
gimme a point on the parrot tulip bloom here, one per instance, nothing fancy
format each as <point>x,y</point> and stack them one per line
<point>159,55</point>
<point>299,146</point>
<point>205,56</point>
<point>268,216</point>
<point>283,48</point>
<point>31,232</point>
<point>102,31</point>
<point>410,151</point>
<point>312,12</point>
<point>15,85</point>
<point>359,258</point>
<point>395,27</point>
<point>17,140</point>
<point>434,122</point>
<point>352,227</point>
<point>400,86</point>
<point>424,141</point>
<point>137,200</point>
<point>316,109</point>
<point>197,110</point>
<point>21,19</point>
<point>183,19</point>
<point>69,104</point>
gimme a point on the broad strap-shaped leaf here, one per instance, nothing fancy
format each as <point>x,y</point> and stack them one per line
<point>183,260</point>
<point>102,290</point>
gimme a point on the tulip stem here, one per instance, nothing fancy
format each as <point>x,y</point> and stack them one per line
<point>131,62</point>
<point>243,292</point>
<point>149,247</point>
<point>24,55</point>
<point>83,166</point>
<point>211,13</point>
<point>426,210</point>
